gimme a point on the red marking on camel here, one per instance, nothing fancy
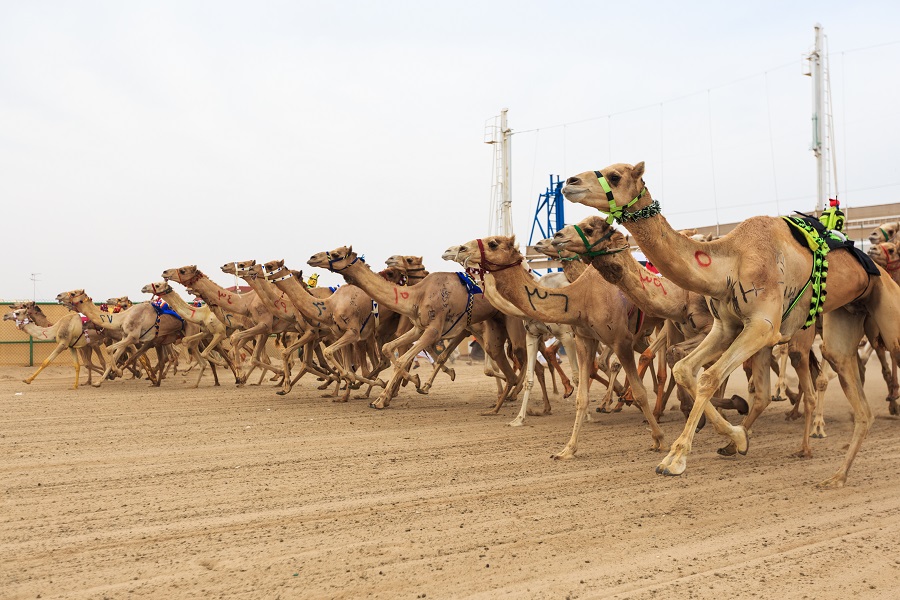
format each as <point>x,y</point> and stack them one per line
<point>398,294</point>
<point>702,258</point>
<point>657,281</point>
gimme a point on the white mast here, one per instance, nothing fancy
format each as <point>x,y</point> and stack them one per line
<point>817,71</point>
<point>500,221</point>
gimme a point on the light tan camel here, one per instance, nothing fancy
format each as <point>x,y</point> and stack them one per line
<point>439,307</point>
<point>142,324</point>
<point>598,310</point>
<point>94,335</point>
<point>348,316</point>
<point>752,277</point>
<point>67,332</point>
<point>887,232</point>
<point>535,331</point>
<point>245,314</point>
<point>200,316</point>
<point>595,240</point>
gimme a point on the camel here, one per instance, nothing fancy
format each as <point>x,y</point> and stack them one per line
<point>535,332</point>
<point>348,315</point>
<point>245,314</point>
<point>887,232</point>
<point>67,332</point>
<point>595,239</point>
<point>93,334</point>
<point>141,323</point>
<point>886,256</point>
<point>598,310</point>
<point>685,310</point>
<point>439,306</point>
<point>753,277</point>
<point>199,316</point>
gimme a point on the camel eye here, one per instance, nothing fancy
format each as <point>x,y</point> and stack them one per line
<point>492,245</point>
<point>589,231</point>
<point>181,271</point>
<point>614,179</point>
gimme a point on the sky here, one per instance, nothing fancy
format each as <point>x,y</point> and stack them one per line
<point>135,137</point>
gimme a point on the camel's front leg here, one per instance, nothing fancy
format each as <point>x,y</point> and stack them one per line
<point>441,359</point>
<point>429,336</point>
<point>826,373</point>
<point>757,334</point>
<point>531,346</point>
<point>587,348</point>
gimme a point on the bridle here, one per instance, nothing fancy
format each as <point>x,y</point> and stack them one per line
<point>589,252</point>
<point>333,259</point>
<point>486,265</point>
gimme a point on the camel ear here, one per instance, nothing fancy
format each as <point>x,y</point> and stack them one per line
<point>638,171</point>
<point>512,241</point>
<point>349,249</point>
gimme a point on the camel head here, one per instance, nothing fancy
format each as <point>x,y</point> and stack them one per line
<point>185,275</point>
<point>885,233</point>
<point>156,288</point>
<point>335,260</point>
<point>19,315</point>
<point>546,247</point>
<point>593,237</point>
<point>617,187</point>
<point>493,253</point>
<point>122,302</point>
<point>410,264</point>
<point>73,298</point>
<point>395,275</point>
<point>884,254</point>
<point>238,268</point>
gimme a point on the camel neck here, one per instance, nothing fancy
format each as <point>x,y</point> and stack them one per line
<point>314,310</point>
<point>178,304</point>
<point>399,298</point>
<point>550,305</point>
<point>652,294</point>
<point>105,320</point>
<point>271,295</point>
<point>573,269</point>
<point>687,263</point>
<point>215,295</point>
<point>38,317</point>
<point>40,332</point>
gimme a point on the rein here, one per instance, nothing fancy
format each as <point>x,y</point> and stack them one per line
<point>332,260</point>
<point>189,281</point>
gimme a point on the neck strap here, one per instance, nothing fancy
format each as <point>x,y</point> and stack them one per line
<point>616,212</point>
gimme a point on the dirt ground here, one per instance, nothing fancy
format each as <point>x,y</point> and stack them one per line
<point>130,491</point>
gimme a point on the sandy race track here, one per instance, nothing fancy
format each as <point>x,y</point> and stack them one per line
<point>130,491</point>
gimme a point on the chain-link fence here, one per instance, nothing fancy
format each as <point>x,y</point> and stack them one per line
<point>20,349</point>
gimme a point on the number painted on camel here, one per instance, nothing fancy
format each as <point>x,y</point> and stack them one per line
<point>653,279</point>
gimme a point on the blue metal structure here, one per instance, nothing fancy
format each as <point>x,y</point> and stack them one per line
<point>549,215</point>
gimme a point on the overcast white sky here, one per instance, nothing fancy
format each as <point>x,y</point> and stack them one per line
<point>135,137</point>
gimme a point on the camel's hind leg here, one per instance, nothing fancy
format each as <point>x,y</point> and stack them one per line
<point>841,333</point>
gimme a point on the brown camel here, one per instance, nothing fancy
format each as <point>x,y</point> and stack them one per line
<point>211,330</point>
<point>439,306</point>
<point>599,311</point>
<point>245,314</point>
<point>347,315</point>
<point>606,249</point>
<point>67,332</point>
<point>752,277</point>
<point>886,232</point>
<point>141,324</point>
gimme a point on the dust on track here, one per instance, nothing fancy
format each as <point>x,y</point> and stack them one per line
<point>240,493</point>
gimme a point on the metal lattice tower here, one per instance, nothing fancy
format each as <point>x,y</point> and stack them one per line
<point>549,215</point>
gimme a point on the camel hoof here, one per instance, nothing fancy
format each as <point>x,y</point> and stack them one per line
<point>452,373</point>
<point>778,399</point>
<point>700,424</point>
<point>568,393</point>
<point>281,392</point>
<point>517,422</point>
<point>893,408</point>
<point>729,450</point>
<point>563,456</point>
<point>837,481</point>
<point>801,454</point>
<point>422,391</point>
<point>28,381</point>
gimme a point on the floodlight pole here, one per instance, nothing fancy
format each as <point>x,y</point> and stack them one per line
<point>505,173</point>
<point>817,71</point>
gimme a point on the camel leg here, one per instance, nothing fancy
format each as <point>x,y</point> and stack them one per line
<point>429,336</point>
<point>760,374</point>
<point>626,357</point>
<point>495,349</point>
<point>345,367</point>
<point>442,358</point>
<point>388,351</point>
<point>841,333</point>
<point>825,375</point>
<point>74,353</point>
<point>56,352</point>
<point>531,344</point>
<point>731,351</point>
<point>568,342</point>
<point>587,348</point>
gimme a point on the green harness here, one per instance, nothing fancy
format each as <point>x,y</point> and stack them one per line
<point>819,248</point>
<point>588,247</point>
